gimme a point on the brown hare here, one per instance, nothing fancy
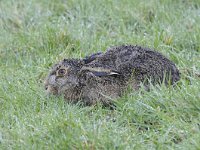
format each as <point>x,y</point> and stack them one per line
<point>103,77</point>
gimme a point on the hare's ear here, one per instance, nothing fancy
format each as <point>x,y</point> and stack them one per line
<point>90,58</point>
<point>100,72</point>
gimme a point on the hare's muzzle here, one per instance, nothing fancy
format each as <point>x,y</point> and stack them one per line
<point>51,90</point>
<point>49,86</point>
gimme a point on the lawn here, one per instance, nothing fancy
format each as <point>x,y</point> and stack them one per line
<point>36,34</point>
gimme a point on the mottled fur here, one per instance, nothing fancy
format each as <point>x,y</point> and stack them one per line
<point>102,77</point>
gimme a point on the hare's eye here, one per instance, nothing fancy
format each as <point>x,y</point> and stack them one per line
<point>61,72</point>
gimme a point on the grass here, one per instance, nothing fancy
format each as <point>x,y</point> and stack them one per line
<point>36,34</point>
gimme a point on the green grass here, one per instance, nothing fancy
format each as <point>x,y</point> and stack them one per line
<point>35,34</point>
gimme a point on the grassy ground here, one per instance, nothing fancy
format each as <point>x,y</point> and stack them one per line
<point>35,34</point>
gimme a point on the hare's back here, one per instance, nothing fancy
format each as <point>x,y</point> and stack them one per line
<point>146,63</point>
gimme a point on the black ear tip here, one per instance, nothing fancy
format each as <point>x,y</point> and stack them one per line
<point>105,73</point>
<point>92,57</point>
<point>98,53</point>
<point>64,59</point>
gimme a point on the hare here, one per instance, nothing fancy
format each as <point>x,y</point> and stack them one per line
<point>103,77</point>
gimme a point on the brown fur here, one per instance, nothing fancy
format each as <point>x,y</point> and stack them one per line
<point>102,77</point>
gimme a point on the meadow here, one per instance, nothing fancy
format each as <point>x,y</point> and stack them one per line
<point>35,34</point>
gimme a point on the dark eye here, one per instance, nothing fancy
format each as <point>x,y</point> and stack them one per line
<point>61,72</point>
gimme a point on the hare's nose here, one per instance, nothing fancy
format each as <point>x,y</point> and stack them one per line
<point>46,87</point>
<point>51,90</point>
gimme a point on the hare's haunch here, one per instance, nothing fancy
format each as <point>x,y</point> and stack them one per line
<point>102,77</point>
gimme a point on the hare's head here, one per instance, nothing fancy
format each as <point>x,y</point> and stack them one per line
<point>71,75</point>
<point>63,76</point>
